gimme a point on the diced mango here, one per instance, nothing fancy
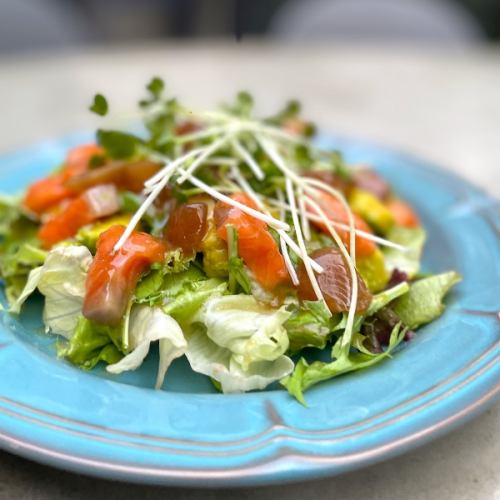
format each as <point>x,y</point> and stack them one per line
<point>372,270</point>
<point>371,209</point>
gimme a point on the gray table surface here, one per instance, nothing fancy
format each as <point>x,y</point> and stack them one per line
<point>441,104</point>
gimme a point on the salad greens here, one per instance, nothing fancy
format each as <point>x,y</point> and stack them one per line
<point>229,240</point>
<point>146,325</point>
<point>424,301</point>
<point>408,262</point>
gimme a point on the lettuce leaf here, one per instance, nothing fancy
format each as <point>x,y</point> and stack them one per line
<point>61,280</point>
<point>92,343</point>
<point>424,302</point>
<point>240,343</point>
<point>146,325</point>
<point>9,212</point>
<point>309,326</point>
<point>208,358</point>
<point>29,287</point>
<point>19,248</point>
<point>306,375</point>
<point>167,279</point>
<point>180,294</point>
<point>186,302</point>
<point>386,297</point>
<point>409,261</point>
<point>250,330</point>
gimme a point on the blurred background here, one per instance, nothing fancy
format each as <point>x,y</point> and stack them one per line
<point>418,75</point>
<point>28,24</point>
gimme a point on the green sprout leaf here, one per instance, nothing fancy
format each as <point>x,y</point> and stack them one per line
<point>238,276</point>
<point>155,88</point>
<point>118,145</point>
<point>100,105</point>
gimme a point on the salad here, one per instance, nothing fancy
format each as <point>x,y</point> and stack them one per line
<point>231,240</point>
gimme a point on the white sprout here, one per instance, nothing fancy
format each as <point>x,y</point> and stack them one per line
<point>216,145</point>
<point>346,338</point>
<point>248,159</point>
<point>362,234</point>
<point>300,240</point>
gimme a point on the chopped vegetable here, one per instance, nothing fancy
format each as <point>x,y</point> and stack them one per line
<point>61,279</point>
<point>146,325</point>
<point>92,343</point>
<point>371,209</point>
<point>241,343</point>
<point>368,180</point>
<point>306,375</point>
<point>372,268</point>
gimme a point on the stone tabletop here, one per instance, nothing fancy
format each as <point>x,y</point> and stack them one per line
<point>443,105</point>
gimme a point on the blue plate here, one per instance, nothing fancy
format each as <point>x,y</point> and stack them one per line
<point>120,427</point>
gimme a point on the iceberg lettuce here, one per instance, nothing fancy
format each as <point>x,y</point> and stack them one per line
<point>91,343</point>
<point>240,343</point>
<point>149,324</point>
<point>61,280</point>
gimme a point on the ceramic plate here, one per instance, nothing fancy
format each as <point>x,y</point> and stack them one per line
<point>120,427</point>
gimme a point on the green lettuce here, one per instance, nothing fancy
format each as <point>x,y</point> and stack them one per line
<point>409,261</point>
<point>240,343</point>
<point>180,294</point>
<point>185,304</point>
<point>61,280</point>
<point>9,212</point>
<point>424,302</point>
<point>306,375</point>
<point>387,296</point>
<point>146,325</point>
<point>167,278</point>
<point>91,343</point>
<point>238,275</point>
<point>19,247</point>
<point>310,326</point>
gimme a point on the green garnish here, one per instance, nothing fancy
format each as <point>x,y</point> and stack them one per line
<point>238,275</point>
<point>100,105</point>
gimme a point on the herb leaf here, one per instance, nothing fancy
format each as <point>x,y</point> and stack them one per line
<point>100,105</point>
<point>155,88</point>
<point>118,145</point>
<point>238,275</point>
<point>243,106</point>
